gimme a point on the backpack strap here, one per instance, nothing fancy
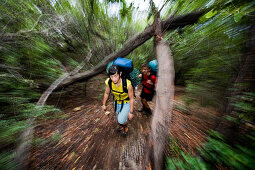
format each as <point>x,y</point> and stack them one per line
<point>124,85</point>
<point>125,90</point>
<point>110,83</point>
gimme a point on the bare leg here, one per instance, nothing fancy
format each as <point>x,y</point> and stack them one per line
<point>145,104</point>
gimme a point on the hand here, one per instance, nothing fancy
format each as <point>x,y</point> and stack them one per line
<point>104,108</point>
<point>149,82</point>
<point>130,116</point>
<point>140,75</point>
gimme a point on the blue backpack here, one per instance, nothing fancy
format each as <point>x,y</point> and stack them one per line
<point>128,72</point>
<point>154,66</point>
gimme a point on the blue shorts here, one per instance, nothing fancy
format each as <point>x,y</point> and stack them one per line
<point>123,115</point>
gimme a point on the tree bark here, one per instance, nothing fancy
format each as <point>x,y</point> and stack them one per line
<point>172,23</point>
<point>164,99</point>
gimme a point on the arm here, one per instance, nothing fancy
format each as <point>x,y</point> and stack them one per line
<point>149,82</point>
<point>152,81</point>
<point>131,98</point>
<point>106,95</point>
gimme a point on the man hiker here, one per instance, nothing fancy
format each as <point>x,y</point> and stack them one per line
<point>123,98</point>
<point>148,81</point>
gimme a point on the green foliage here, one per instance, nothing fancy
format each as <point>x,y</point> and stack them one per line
<point>238,157</point>
<point>207,54</point>
<point>40,40</point>
<point>15,93</point>
<point>187,100</point>
<point>245,106</point>
<point>56,136</point>
<point>190,162</point>
<point>217,152</point>
<point>39,141</point>
<point>126,12</point>
<point>207,57</point>
<point>180,160</point>
<point>31,110</point>
<point>143,54</point>
<point>6,160</point>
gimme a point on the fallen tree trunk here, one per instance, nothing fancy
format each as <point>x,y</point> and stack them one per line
<point>169,24</point>
<point>127,48</point>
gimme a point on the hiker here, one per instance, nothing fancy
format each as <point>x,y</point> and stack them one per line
<point>148,81</point>
<point>123,98</point>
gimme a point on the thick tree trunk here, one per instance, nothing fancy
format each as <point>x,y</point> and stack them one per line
<point>169,24</point>
<point>164,100</point>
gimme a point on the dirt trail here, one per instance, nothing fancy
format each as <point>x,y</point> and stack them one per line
<point>85,138</point>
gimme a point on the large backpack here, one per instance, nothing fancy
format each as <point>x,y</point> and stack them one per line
<point>128,72</point>
<point>154,67</point>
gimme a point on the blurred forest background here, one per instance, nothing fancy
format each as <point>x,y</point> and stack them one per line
<point>214,60</point>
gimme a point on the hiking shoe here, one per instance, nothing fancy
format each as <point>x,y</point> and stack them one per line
<point>118,129</point>
<point>148,112</point>
<point>142,111</point>
<point>145,111</point>
<point>124,132</point>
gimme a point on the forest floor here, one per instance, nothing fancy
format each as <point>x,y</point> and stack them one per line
<point>83,136</point>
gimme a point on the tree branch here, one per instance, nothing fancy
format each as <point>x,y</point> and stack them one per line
<point>127,48</point>
<point>181,21</point>
<point>169,24</point>
<point>9,67</point>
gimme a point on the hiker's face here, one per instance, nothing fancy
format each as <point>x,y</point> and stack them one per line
<point>145,70</point>
<point>115,78</point>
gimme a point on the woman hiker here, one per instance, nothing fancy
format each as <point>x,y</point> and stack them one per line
<point>123,98</point>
